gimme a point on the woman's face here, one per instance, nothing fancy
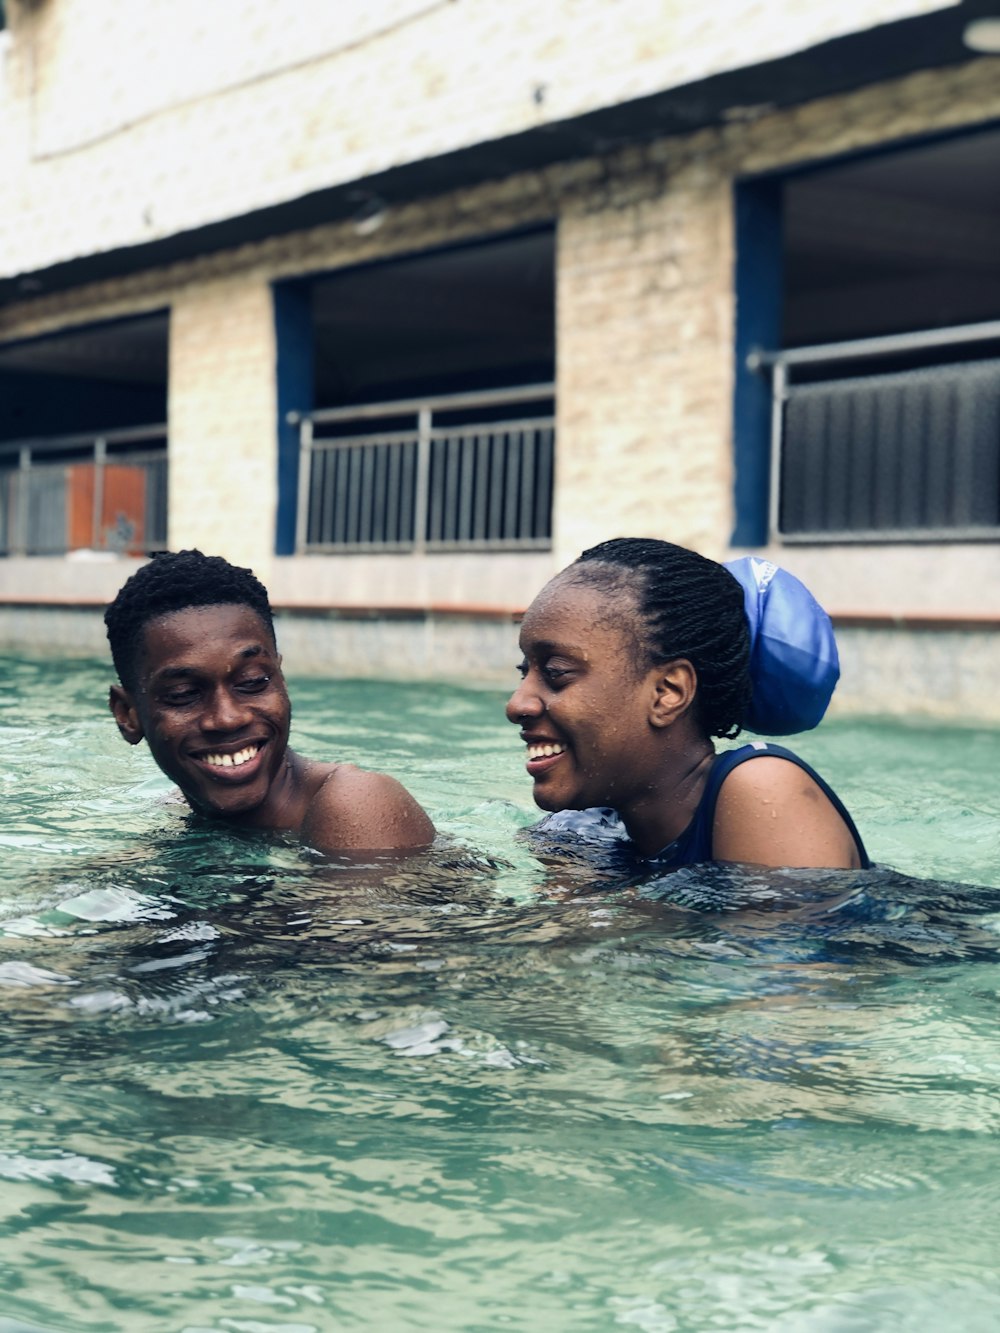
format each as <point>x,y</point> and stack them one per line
<point>584,706</point>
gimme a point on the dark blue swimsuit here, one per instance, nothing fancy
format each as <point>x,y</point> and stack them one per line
<point>695,843</point>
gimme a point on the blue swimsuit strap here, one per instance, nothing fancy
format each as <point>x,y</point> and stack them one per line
<point>730,759</point>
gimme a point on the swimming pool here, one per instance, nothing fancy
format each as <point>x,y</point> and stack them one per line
<point>485,1089</point>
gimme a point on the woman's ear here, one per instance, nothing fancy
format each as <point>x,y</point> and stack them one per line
<point>675,685</point>
<point>125,714</point>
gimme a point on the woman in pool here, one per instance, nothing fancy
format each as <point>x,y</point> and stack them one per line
<point>635,657</point>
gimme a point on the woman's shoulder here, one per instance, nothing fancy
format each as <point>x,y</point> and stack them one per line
<point>778,811</point>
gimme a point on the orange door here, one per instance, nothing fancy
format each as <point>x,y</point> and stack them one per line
<point>123,508</point>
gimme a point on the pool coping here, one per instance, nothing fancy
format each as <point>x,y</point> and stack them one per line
<point>935,621</point>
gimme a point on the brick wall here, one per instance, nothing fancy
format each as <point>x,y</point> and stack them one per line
<point>644,375</point>
<point>645,319</point>
<point>645,325</point>
<point>221,409</point>
<point>164,115</point>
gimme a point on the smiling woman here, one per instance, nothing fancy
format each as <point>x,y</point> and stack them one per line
<point>193,642</point>
<point>635,657</point>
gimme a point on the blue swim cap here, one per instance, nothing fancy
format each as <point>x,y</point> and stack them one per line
<point>793,653</point>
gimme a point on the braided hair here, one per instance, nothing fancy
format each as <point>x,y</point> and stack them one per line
<point>174,581</point>
<point>687,606</point>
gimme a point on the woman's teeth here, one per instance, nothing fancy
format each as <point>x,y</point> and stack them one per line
<point>232,760</point>
<point>544,751</point>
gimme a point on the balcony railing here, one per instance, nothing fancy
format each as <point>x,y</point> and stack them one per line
<point>900,454</point>
<point>103,492</point>
<point>470,471</point>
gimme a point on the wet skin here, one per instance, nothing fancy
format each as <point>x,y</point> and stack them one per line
<point>210,687</point>
<point>582,693</point>
<point>210,700</point>
<point>628,737</point>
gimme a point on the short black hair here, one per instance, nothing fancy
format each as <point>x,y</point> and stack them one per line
<point>688,606</point>
<point>174,581</point>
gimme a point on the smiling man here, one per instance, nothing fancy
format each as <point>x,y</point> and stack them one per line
<point>200,680</point>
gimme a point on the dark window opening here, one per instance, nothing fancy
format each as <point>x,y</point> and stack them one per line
<point>473,317</point>
<point>885,359</point>
<point>894,242</point>
<point>432,417</point>
<point>83,461</point>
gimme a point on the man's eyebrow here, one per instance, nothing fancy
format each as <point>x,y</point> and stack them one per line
<point>181,672</point>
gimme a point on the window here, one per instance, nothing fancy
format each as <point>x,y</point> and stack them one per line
<point>873,412</point>
<point>423,403</point>
<point>83,447</point>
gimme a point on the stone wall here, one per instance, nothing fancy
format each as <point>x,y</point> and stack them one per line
<point>223,480</point>
<point>644,338</point>
<point>646,312</point>
<point>948,674</point>
<point>165,115</point>
<point>645,309</point>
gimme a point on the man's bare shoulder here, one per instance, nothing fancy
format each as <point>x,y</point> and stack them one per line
<point>353,808</point>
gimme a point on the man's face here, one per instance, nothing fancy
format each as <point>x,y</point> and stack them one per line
<point>211,702</point>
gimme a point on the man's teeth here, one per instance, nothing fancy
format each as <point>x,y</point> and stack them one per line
<point>232,760</point>
<point>544,751</point>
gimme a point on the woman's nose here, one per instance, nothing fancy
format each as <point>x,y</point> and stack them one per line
<point>524,702</point>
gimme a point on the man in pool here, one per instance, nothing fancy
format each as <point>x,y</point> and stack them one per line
<point>193,643</point>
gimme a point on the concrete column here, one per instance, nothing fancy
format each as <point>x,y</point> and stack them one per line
<point>644,362</point>
<point>222,407</point>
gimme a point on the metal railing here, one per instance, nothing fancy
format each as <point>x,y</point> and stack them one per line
<point>908,454</point>
<point>455,472</point>
<point>102,491</point>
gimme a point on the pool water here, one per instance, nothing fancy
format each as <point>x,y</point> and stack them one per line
<point>498,1085</point>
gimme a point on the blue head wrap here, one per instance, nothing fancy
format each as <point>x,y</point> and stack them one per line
<point>793,654</point>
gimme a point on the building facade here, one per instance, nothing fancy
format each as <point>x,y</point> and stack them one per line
<point>405,304</point>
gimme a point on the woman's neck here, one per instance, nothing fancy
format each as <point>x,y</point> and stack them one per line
<point>656,819</point>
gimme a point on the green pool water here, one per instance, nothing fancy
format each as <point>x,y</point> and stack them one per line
<point>498,1086</point>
